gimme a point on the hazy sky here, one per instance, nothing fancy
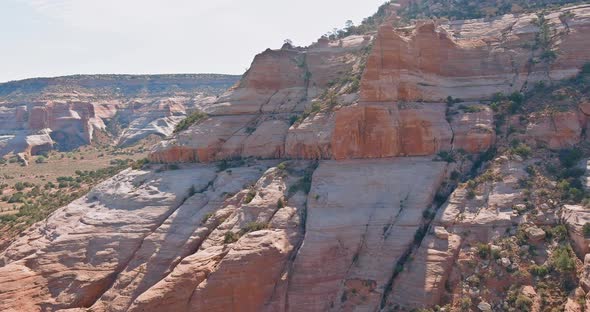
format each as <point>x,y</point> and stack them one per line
<point>41,38</point>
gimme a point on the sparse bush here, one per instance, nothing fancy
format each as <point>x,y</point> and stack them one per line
<point>41,159</point>
<point>465,304</point>
<point>230,237</point>
<point>483,250</point>
<point>206,217</point>
<point>250,196</point>
<point>254,227</point>
<point>562,259</point>
<point>446,156</point>
<point>586,229</point>
<point>471,193</point>
<point>523,303</point>
<point>522,150</point>
<point>539,270</point>
<point>190,120</point>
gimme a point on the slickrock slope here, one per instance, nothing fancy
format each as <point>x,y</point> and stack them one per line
<point>37,113</point>
<point>362,216</point>
<point>346,176</point>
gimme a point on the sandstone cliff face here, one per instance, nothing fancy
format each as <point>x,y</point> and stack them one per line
<point>469,59</point>
<point>253,119</point>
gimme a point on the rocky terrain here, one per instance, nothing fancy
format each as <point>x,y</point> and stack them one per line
<point>41,114</point>
<point>425,165</point>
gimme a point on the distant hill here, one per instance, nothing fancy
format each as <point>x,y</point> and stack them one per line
<point>118,85</point>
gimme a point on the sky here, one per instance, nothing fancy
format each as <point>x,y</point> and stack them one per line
<point>46,38</point>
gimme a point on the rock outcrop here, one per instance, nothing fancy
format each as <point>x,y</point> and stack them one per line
<point>471,59</point>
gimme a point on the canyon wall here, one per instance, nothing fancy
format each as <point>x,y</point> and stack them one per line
<point>36,114</point>
<point>410,74</point>
<point>340,177</point>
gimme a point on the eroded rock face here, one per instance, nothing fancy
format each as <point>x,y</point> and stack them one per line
<point>467,59</point>
<point>254,119</point>
<point>555,130</point>
<point>379,131</point>
<point>473,132</point>
<point>422,282</point>
<point>125,235</point>
<point>361,233</point>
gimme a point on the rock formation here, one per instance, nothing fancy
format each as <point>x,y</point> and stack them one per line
<point>376,172</point>
<point>71,109</point>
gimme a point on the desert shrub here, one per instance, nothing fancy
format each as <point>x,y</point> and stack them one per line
<point>254,227</point>
<point>483,250</point>
<point>522,150</point>
<point>446,156</point>
<point>523,303</point>
<point>250,129</point>
<point>280,203</point>
<point>562,260</point>
<point>282,166</point>
<point>230,237</point>
<point>539,270</point>
<point>471,193</point>
<point>190,120</point>
<point>19,186</point>
<point>465,304</point>
<point>570,157</point>
<point>586,229</point>
<point>250,196</point>
<point>41,159</point>
<point>293,119</point>
<point>206,217</point>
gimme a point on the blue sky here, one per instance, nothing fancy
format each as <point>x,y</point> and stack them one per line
<point>43,38</point>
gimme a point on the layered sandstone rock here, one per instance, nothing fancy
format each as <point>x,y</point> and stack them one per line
<point>575,217</point>
<point>422,282</point>
<point>555,130</point>
<point>253,119</point>
<point>486,209</point>
<point>473,131</point>
<point>125,235</point>
<point>379,131</point>
<point>360,233</point>
<point>469,59</point>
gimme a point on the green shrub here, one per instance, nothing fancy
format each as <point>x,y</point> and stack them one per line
<point>206,217</point>
<point>586,229</point>
<point>250,196</point>
<point>190,120</point>
<point>230,237</point>
<point>281,203</point>
<point>483,250</point>
<point>570,157</point>
<point>19,186</point>
<point>465,304</point>
<point>293,119</point>
<point>41,160</point>
<point>254,227</point>
<point>523,303</point>
<point>446,156</point>
<point>539,270</point>
<point>562,260</point>
<point>522,150</point>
